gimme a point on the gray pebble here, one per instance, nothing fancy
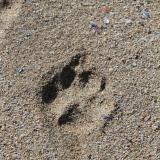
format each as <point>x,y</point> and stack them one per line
<point>19,70</point>
<point>146,14</point>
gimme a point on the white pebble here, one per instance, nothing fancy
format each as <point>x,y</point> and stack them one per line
<point>106,20</point>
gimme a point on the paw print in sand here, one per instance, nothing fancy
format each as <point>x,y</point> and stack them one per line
<point>76,95</point>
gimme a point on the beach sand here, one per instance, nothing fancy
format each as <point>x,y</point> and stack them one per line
<point>71,91</point>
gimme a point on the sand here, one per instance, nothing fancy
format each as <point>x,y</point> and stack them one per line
<point>70,91</point>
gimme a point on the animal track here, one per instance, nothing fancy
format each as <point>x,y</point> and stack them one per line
<point>76,95</point>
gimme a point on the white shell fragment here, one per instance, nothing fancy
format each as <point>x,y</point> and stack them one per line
<point>106,20</point>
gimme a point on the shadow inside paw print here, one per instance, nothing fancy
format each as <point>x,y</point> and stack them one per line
<point>84,77</point>
<point>50,91</point>
<point>61,81</point>
<point>67,76</point>
<point>69,115</point>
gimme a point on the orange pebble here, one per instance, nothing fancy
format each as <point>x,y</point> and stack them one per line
<point>105,9</point>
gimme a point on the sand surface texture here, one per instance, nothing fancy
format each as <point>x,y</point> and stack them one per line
<point>74,88</point>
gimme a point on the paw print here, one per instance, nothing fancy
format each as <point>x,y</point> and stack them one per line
<point>76,94</point>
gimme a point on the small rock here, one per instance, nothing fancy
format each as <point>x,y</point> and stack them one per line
<point>105,9</point>
<point>128,22</point>
<point>107,118</point>
<point>134,64</point>
<point>19,70</point>
<point>111,70</point>
<point>93,24</point>
<point>94,27</point>
<point>106,20</point>
<point>146,14</point>
<point>28,33</point>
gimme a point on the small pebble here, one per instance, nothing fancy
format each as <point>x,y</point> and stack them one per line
<point>111,70</point>
<point>106,20</point>
<point>108,118</point>
<point>128,22</point>
<point>94,27</point>
<point>146,14</point>
<point>93,24</point>
<point>19,70</point>
<point>105,9</point>
<point>134,64</point>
